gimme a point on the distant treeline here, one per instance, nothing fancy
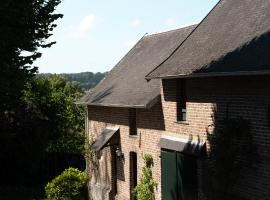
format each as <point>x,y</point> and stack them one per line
<point>86,80</point>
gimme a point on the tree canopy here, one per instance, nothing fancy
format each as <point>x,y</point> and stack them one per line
<point>86,80</point>
<point>25,26</point>
<point>50,129</point>
<point>52,102</point>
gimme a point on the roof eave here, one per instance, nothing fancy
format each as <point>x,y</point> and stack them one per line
<point>211,74</point>
<point>149,105</point>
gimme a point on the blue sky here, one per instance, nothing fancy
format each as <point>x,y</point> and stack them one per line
<point>95,35</point>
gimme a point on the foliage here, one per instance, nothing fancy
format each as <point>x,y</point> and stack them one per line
<point>52,100</point>
<point>231,149</point>
<point>91,156</point>
<point>69,185</point>
<point>49,136</point>
<point>32,112</point>
<point>25,26</point>
<point>145,188</point>
<point>86,80</point>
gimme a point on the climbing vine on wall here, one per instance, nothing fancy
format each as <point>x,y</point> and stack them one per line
<point>91,155</point>
<point>146,186</point>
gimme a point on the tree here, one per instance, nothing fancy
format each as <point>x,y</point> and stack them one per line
<point>87,80</point>
<point>25,26</point>
<point>52,100</point>
<point>49,136</point>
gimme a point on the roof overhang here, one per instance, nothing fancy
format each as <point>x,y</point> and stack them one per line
<point>104,138</point>
<point>211,74</point>
<point>148,105</point>
<point>188,145</point>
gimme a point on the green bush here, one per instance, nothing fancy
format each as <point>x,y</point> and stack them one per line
<point>145,189</point>
<point>69,185</point>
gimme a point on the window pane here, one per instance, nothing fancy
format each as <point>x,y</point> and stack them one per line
<point>132,122</point>
<point>181,100</point>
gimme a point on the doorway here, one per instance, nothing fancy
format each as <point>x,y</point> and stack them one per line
<point>178,176</point>
<point>133,174</point>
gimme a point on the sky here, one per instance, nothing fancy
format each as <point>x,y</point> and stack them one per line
<point>95,35</point>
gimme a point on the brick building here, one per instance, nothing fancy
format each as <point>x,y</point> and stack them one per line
<point>127,107</point>
<point>195,75</point>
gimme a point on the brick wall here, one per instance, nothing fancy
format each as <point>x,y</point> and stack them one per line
<point>150,124</point>
<point>247,97</point>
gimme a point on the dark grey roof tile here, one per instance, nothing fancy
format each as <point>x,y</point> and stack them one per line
<point>125,85</point>
<point>234,37</point>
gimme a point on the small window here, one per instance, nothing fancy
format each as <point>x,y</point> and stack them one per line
<point>132,122</point>
<point>181,100</point>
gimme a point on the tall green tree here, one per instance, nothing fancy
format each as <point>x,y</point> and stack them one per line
<point>52,102</point>
<point>25,26</point>
<point>49,136</point>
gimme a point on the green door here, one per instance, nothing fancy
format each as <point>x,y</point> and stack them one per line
<point>168,174</point>
<point>178,176</point>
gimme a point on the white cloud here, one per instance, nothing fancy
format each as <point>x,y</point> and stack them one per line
<point>82,28</point>
<point>136,23</point>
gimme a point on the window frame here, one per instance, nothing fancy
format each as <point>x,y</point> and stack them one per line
<point>133,122</point>
<point>181,100</point>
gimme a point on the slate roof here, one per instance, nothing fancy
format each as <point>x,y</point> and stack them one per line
<point>125,84</point>
<point>233,37</point>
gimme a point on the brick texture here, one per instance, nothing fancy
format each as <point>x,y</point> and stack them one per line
<point>247,97</point>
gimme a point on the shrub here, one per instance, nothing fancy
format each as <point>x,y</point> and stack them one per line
<point>145,189</point>
<point>69,185</point>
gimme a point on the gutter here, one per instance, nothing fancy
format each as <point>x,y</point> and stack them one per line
<point>115,105</point>
<point>212,74</point>
<point>149,105</point>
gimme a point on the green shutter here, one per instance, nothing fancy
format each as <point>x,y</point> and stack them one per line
<point>178,176</point>
<point>168,175</point>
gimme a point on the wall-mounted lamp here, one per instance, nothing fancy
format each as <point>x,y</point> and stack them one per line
<point>119,153</point>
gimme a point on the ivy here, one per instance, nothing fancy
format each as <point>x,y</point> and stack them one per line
<point>91,156</point>
<point>145,188</point>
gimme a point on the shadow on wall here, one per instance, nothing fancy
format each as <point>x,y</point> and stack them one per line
<point>232,155</point>
<point>152,118</point>
<point>195,146</point>
<point>120,162</point>
<point>253,56</point>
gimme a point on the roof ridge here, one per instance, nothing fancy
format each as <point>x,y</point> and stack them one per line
<point>168,31</point>
<point>136,44</point>
<point>147,77</point>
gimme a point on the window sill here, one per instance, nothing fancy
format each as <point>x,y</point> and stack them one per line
<point>133,136</point>
<point>182,122</point>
